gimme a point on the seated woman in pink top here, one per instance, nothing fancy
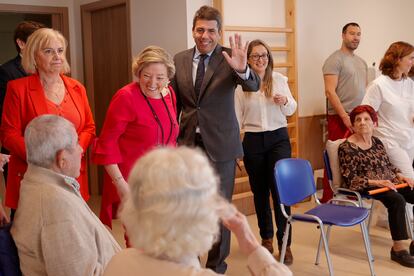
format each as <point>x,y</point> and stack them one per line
<point>141,116</point>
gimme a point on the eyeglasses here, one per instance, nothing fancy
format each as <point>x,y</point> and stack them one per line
<point>257,57</point>
<point>51,52</point>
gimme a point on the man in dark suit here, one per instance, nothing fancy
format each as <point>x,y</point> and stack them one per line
<point>13,69</point>
<point>205,81</point>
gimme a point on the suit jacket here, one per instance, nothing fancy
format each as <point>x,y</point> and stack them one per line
<point>213,111</point>
<point>10,70</point>
<point>24,101</point>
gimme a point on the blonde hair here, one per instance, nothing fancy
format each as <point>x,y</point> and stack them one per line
<point>37,41</point>
<point>153,54</point>
<point>172,211</point>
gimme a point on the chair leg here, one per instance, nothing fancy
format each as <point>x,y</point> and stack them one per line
<point>326,247</point>
<point>367,244</point>
<point>409,222</point>
<point>370,215</point>
<point>285,240</point>
<point>319,248</point>
<point>320,243</point>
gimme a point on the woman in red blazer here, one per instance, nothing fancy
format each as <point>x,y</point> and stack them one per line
<point>46,91</point>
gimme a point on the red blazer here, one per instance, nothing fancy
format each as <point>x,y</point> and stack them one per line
<point>24,101</point>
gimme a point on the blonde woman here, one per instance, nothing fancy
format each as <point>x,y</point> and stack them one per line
<point>262,116</point>
<point>141,116</point>
<point>46,91</point>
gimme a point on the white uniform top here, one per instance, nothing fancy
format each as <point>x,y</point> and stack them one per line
<point>394,102</point>
<point>257,113</point>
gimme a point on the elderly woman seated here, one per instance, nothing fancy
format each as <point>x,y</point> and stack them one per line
<point>365,166</point>
<point>172,216</point>
<point>55,231</point>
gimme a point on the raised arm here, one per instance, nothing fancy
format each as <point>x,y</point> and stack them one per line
<point>260,261</point>
<point>238,58</point>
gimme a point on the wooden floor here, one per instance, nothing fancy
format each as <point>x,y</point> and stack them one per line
<point>346,246</point>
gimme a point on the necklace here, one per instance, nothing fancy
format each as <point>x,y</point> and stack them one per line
<point>154,114</point>
<point>53,91</point>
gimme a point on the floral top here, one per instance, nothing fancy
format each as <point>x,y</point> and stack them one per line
<point>358,165</point>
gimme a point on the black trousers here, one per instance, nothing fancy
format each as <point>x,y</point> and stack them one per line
<point>221,249</point>
<point>261,152</point>
<point>395,203</point>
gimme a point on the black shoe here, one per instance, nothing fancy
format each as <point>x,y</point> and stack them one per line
<point>402,257</point>
<point>412,248</point>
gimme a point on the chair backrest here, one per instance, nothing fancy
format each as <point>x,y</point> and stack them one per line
<point>294,180</point>
<point>327,166</point>
<point>332,162</point>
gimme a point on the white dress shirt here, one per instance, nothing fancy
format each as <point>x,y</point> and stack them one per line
<point>257,113</point>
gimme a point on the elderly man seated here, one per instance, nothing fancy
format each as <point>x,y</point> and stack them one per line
<point>55,231</point>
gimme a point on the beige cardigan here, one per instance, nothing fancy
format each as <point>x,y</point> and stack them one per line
<point>132,262</point>
<point>55,231</point>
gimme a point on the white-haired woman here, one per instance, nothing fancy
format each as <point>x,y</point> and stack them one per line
<point>172,217</point>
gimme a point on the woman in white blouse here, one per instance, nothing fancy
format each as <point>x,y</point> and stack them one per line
<point>392,96</point>
<point>262,116</point>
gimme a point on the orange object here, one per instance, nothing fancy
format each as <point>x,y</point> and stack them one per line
<point>381,190</point>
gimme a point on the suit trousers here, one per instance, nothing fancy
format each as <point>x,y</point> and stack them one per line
<point>395,203</point>
<point>226,171</point>
<point>261,152</point>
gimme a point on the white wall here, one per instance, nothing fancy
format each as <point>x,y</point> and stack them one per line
<point>192,7</point>
<point>150,25</point>
<point>158,22</point>
<point>319,24</point>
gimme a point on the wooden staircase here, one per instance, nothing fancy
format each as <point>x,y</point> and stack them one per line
<point>242,195</point>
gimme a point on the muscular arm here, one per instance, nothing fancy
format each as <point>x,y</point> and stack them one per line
<point>331,81</point>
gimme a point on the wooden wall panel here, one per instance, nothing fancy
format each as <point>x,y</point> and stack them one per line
<point>311,144</point>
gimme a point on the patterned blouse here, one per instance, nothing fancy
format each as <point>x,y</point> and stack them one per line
<point>358,165</point>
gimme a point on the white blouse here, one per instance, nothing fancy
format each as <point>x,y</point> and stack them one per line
<point>394,102</point>
<point>257,113</point>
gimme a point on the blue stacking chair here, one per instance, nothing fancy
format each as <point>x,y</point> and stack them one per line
<point>295,182</point>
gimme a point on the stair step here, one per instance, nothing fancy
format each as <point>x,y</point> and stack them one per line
<point>241,185</point>
<point>244,203</point>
